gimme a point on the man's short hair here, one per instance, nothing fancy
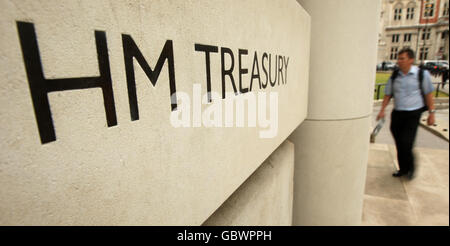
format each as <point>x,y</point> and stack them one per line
<point>408,51</point>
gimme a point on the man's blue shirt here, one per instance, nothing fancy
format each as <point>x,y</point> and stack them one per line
<point>407,94</point>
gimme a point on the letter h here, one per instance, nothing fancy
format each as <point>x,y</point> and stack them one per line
<point>40,86</point>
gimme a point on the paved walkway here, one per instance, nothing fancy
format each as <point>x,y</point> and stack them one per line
<point>390,201</point>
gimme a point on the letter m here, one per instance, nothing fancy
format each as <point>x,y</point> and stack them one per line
<point>131,50</point>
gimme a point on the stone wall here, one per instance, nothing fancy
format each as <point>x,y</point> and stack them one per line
<point>85,95</point>
<point>265,198</point>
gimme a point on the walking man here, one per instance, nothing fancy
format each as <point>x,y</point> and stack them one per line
<point>412,89</point>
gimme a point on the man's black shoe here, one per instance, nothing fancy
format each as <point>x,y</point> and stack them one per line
<point>398,174</point>
<point>410,175</point>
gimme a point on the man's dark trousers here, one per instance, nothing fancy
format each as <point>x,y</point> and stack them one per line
<point>404,126</point>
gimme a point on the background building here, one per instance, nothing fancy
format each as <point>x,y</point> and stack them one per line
<point>421,25</point>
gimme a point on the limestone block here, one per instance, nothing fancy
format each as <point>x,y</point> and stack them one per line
<point>330,171</point>
<point>265,198</point>
<point>106,168</point>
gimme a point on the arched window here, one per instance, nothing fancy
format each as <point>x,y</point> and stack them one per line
<point>410,11</point>
<point>398,12</point>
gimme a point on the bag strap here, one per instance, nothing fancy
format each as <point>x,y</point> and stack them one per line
<point>393,77</point>
<point>421,87</point>
<point>421,80</point>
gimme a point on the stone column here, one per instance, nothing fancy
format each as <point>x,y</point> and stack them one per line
<point>265,198</point>
<point>331,145</point>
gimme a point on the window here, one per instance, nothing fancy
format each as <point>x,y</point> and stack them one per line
<point>445,10</point>
<point>407,37</point>
<point>443,35</point>
<point>429,8</point>
<point>410,14</point>
<point>395,38</point>
<point>440,53</point>
<point>394,51</point>
<point>398,14</point>
<point>426,34</point>
<point>423,53</point>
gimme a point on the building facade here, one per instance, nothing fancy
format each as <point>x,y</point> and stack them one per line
<point>421,25</point>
